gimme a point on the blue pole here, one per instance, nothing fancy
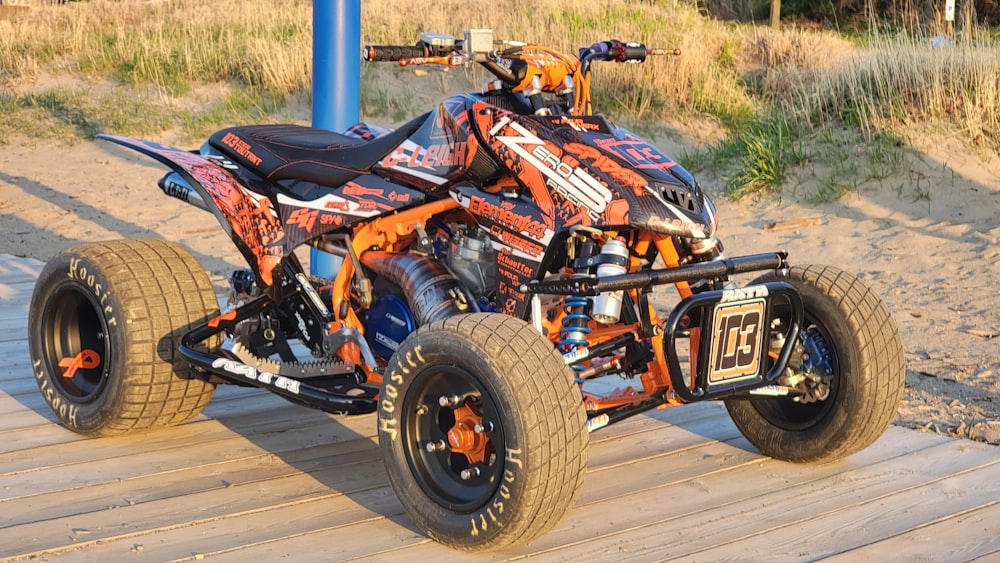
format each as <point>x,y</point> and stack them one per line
<point>336,102</point>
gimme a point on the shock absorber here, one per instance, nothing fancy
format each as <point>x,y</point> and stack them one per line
<point>575,326</point>
<point>573,341</point>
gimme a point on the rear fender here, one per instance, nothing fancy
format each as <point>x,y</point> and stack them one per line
<point>249,220</point>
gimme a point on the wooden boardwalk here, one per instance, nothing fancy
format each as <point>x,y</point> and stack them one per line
<point>256,478</point>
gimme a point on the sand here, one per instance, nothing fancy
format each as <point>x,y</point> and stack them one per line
<point>927,239</point>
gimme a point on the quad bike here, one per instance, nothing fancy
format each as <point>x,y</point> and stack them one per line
<point>499,255</point>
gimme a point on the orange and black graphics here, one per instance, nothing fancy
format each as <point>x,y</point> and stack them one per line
<point>523,232</point>
<point>514,270</point>
<point>597,174</point>
<point>517,223</point>
<point>361,199</point>
<point>664,198</point>
<point>249,219</point>
<point>440,151</point>
<point>535,150</point>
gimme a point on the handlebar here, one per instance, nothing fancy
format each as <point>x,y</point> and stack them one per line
<point>393,53</point>
<point>622,52</point>
<point>520,67</point>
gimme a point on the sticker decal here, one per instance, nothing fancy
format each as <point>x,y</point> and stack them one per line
<point>737,341</point>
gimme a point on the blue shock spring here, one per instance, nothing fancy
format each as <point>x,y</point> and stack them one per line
<point>576,325</point>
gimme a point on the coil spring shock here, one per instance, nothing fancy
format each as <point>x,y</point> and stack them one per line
<point>576,322</point>
<point>575,326</point>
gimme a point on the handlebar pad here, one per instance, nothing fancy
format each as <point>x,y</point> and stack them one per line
<point>391,53</point>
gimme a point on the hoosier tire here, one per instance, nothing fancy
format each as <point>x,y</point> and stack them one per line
<point>852,335</point>
<point>482,431</point>
<point>104,324</point>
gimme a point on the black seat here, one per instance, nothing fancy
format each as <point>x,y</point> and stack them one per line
<point>294,152</point>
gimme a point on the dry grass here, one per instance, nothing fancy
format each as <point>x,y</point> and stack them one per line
<point>163,53</point>
<point>265,46</point>
<point>898,81</point>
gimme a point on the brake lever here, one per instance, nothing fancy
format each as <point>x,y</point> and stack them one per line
<point>448,60</point>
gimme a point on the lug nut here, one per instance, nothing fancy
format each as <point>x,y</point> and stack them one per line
<point>485,426</point>
<point>446,401</point>
<point>470,473</point>
<point>438,446</point>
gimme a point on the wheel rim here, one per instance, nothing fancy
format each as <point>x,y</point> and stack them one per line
<point>75,343</point>
<point>463,467</point>
<point>790,415</point>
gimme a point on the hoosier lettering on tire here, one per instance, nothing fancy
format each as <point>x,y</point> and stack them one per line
<point>104,323</point>
<point>482,431</point>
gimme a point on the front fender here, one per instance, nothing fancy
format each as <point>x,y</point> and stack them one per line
<point>249,221</point>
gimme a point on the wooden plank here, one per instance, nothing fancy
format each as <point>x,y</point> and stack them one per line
<point>386,538</point>
<point>15,293</point>
<point>394,530</point>
<point>257,528</point>
<point>34,401</point>
<point>704,427</point>
<point>271,521</point>
<point>16,361</point>
<point>30,412</point>
<point>236,411</point>
<point>27,464</point>
<point>225,501</point>
<point>15,331</point>
<point>773,495</point>
<point>19,386</point>
<point>971,534</point>
<point>844,527</point>
<point>18,268</point>
<point>26,419</point>
<point>191,478</point>
<point>656,419</point>
<point>14,320</point>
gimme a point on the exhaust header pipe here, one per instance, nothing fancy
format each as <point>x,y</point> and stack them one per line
<point>430,288</point>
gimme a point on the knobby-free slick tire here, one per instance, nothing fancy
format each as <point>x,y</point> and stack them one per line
<point>857,340</point>
<point>482,431</point>
<point>104,323</point>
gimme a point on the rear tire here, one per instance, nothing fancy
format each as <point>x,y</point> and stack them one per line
<point>853,336</point>
<point>523,467</point>
<point>105,320</point>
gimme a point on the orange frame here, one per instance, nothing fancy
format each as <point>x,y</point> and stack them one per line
<point>387,232</point>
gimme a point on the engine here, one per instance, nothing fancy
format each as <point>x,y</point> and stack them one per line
<point>473,259</point>
<point>458,275</point>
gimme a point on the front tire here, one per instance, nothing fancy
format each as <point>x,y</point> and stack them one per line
<point>103,329</point>
<point>483,431</point>
<point>848,332</point>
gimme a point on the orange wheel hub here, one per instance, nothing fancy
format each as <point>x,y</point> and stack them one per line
<point>463,438</point>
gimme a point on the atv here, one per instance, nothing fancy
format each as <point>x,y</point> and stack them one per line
<point>498,258</point>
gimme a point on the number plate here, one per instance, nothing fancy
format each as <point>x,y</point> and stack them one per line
<point>737,341</point>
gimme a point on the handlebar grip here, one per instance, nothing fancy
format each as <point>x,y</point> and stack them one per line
<point>631,53</point>
<point>392,53</point>
<point>618,51</point>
